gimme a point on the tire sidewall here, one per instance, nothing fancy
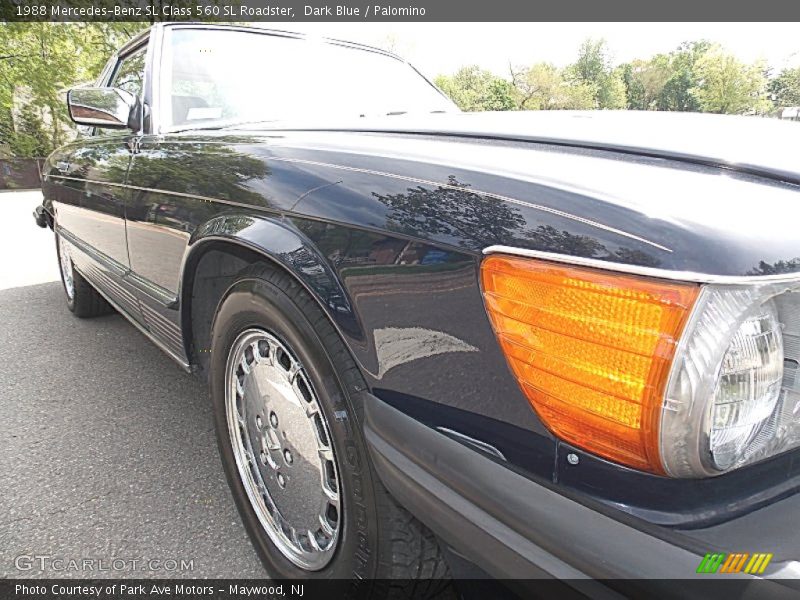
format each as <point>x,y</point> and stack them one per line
<point>70,301</point>
<point>257,303</point>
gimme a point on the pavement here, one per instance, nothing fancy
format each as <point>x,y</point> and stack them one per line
<point>25,257</point>
<point>108,462</point>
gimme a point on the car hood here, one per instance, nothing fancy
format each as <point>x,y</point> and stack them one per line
<point>761,146</point>
<point>630,206</point>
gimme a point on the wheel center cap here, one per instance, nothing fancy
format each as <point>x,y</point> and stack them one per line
<point>286,431</point>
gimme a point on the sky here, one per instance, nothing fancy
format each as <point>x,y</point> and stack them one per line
<point>442,48</point>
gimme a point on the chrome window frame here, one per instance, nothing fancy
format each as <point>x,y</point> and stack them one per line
<point>143,40</point>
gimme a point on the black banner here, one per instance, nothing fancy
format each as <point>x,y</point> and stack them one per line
<point>707,588</point>
<point>248,589</point>
<point>395,10</point>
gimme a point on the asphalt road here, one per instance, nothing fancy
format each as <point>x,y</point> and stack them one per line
<point>107,451</point>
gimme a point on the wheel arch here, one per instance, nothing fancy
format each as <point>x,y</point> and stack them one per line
<point>225,245</point>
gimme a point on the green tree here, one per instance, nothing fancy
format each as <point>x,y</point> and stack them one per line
<point>475,89</point>
<point>577,96</point>
<point>38,62</point>
<point>501,95</point>
<point>726,85</point>
<point>537,87</point>
<point>644,82</point>
<point>30,137</point>
<point>785,88</point>
<point>677,91</point>
<point>542,87</point>
<point>594,69</point>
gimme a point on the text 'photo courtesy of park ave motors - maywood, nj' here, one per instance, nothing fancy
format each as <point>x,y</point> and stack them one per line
<point>159,589</point>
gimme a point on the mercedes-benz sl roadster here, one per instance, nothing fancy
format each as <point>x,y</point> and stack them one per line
<point>525,345</point>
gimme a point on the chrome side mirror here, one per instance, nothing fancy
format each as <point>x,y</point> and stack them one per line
<point>107,107</point>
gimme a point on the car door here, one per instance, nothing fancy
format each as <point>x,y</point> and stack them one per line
<point>164,173</point>
<point>175,171</point>
<point>90,205</point>
<point>168,177</point>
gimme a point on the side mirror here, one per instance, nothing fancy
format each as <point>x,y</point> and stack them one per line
<point>107,107</point>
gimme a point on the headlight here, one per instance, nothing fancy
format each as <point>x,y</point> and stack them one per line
<point>732,398</point>
<point>748,386</point>
<point>668,377</point>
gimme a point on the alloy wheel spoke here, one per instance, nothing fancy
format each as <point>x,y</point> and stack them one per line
<point>311,409</point>
<point>256,352</point>
<point>333,497</point>
<point>293,371</point>
<point>312,540</point>
<point>325,526</point>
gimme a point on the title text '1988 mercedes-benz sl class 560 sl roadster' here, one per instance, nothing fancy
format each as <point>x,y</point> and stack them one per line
<point>539,345</point>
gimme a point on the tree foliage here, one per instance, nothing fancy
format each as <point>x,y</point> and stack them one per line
<point>726,85</point>
<point>38,62</point>
<point>697,76</point>
<point>542,87</point>
<point>475,89</point>
<point>785,88</point>
<point>645,81</point>
<point>681,65</point>
<point>590,82</point>
<point>594,71</point>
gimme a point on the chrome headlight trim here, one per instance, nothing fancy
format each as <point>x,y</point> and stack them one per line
<point>659,273</point>
<point>685,434</point>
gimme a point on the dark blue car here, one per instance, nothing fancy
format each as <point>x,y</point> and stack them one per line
<point>529,345</point>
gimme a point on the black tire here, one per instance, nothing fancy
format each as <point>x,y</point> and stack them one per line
<point>380,541</point>
<point>85,301</point>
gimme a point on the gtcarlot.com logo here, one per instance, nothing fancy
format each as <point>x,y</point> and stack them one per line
<point>737,562</point>
<point>45,563</point>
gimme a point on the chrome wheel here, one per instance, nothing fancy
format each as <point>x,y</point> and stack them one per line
<point>66,267</point>
<point>282,448</point>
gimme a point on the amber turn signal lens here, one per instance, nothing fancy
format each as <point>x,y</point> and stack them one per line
<point>590,349</point>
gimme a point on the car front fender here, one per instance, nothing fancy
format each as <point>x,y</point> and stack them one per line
<point>279,243</point>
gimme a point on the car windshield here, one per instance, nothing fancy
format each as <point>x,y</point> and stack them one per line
<point>238,76</point>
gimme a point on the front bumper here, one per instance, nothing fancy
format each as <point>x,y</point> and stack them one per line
<point>42,217</point>
<point>515,528</point>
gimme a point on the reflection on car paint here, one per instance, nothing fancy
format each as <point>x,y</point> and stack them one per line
<point>400,345</point>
